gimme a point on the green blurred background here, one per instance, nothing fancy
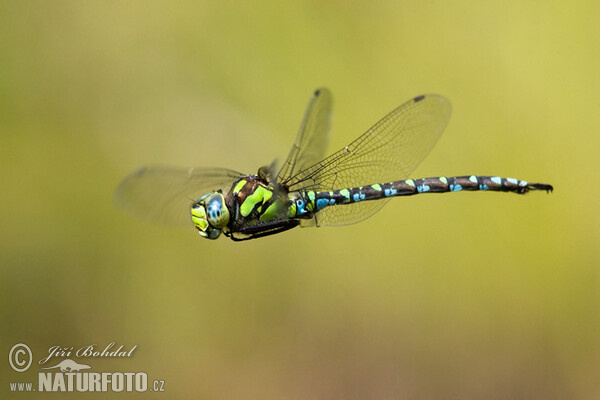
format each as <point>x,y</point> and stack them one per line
<point>468,295</point>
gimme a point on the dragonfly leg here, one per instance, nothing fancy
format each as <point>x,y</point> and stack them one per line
<point>264,229</point>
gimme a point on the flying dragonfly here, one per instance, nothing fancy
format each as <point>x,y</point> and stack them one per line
<point>309,189</point>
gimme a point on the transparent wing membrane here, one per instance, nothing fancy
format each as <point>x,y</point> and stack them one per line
<point>165,194</point>
<point>313,136</point>
<point>348,213</point>
<point>387,152</point>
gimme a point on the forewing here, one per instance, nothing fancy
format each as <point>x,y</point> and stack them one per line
<point>313,136</point>
<point>165,194</point>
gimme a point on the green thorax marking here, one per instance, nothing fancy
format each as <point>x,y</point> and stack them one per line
<point>291,210</point>
<point>272,212</point>
<point>239,186</point>
<point>260,196</point>
<point>255,200</point>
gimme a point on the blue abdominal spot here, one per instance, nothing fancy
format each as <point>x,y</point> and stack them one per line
<point>389,192</point>
<point>321,203</point>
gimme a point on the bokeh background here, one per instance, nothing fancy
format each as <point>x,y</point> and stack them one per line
<point>467,295</point>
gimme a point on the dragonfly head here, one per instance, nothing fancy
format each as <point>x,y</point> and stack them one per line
<point>210,215</point>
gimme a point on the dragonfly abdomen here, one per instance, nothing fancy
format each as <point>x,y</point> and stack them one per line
<point>315,201</point>
<point>444,184</point>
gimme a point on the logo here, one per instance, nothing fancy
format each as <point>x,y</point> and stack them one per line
<point>70,375</point>
<point>69,366</point>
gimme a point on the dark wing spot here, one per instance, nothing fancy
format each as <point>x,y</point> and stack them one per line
<point>419,98</point>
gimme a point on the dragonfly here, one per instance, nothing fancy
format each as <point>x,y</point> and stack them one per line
<point>309,189</point>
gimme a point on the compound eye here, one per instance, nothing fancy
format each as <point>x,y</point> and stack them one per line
<point>216,211</point>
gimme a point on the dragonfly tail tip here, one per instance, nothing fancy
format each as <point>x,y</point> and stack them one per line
<point>541,186</point>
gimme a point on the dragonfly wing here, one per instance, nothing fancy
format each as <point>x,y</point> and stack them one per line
<point>346,214</point>
<point>388,151</point>
<point>313,136</point>
<point>165,194</point>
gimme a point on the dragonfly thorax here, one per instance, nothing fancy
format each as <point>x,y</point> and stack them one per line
<point>210,215</point>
